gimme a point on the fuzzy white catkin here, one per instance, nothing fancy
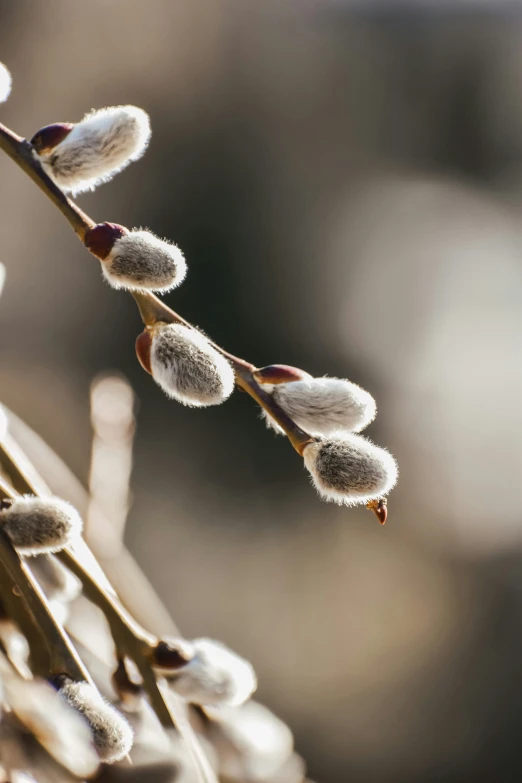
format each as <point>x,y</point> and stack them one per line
<point>38,525</point>
<point>111,732</point>
<point>58,728</point>
<point>141,260</point>
<point>98,147</point>
<point>322,406</point>
<point>188,368</point>
<point>250,741</point>
<point>5,83</point>
<point>350,470</point>
<point>214,676</point>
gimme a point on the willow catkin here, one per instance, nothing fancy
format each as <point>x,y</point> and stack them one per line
<point>322,406</point>
<point>39,525</point>
<point>350,470</point>
<point>5,83</point>
<point>93,150</point>
<point>188,368</point>
<point>214,675</point>
<point>140,260</point>
<point>111,732</point>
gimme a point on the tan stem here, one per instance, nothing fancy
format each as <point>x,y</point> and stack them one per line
<point>151,308</point>
<point>22,153</point>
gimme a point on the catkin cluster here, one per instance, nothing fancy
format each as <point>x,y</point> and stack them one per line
<point>321,416</point>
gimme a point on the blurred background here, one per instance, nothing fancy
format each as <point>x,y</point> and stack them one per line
<point>345,179</point>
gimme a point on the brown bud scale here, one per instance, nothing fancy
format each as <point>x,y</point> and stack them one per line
<point>172,654</point>
<point>143,344</point>
<point>100,239</point>
<point>280,373</point>
<point>48,137</point>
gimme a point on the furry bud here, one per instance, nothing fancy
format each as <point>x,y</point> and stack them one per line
<point>188,368</point>
<point>112,734</point>
<point>350,470</point>
<point>38,525</point>
<point>136,259</point>
<point>93,150</point>
<point>323,406</point>
<point>215,675</point>
<point>251,743</point>
<point>5,83</point>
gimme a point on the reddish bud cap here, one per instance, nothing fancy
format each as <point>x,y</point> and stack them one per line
<point>143,345</point>
<point>172,654</point>
<point>280,373</point>
<point>47,138</point>
<point>100,239</point>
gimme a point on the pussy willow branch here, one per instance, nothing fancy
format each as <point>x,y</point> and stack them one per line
<point>129,637</point>
<point>63,658</point>
<point>151,308</point>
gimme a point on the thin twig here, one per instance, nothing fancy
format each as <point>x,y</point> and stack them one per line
<point>129,637</point>
<point>151,308</point>
<point>63,658</point>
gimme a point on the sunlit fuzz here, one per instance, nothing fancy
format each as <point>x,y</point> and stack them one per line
<point>59,729</point>
<point>92,151</point>
<point>213,676</point>
<point>322,406</point>
<point>188,368</point>
<point>5,83</point>
<point>38,525</point>
<point>136,259</point>
<point>250,741</point>
<point>111,732</point>
<point>349,469</point>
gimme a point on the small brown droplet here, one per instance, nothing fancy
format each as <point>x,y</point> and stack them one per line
<point>380,509</point>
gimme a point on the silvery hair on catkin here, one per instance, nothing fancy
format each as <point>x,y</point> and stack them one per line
<point>188,368</point>
<point>139,259</point>
<point>350,470</point>
<point>214,676</point>
<point>111,732</point>
<point>98,147</point>
<point>38,525</point>
<point>5,83</point>
<point>322,406</point>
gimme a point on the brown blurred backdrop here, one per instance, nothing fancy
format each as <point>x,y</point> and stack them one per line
<point>346,181</point>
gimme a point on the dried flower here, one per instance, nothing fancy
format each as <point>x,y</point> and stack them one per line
<point>322,406</point>
<point>136,259</point>
<point>81,156</point>
<point>111,732</point>
<point>349,469</point>
<point>37,525</point>
<point>5,83</point>
<point>188,368</point>
<point>213,676</point>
